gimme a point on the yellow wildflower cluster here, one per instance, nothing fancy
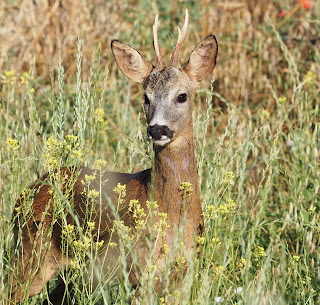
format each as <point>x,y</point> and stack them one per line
<point>93,194</point>
<point>296,258</point>
<point>99,114</point>
<point>68,229</point>
<point>215,241</point>
<point>226,209</point>
<point>71,145</point>
<point>9,77</point>
<point>53,152</point>
<point>165,249</point>
<point>180,263</point>
<point>91,225</point>
<point>152,205</point>
<point>123,230</point>
<point>120,189</point>
<point>244,263</point>
<point>201,240</point>
<point>259,253</point>
<point>218,270</point>
<point>228,177</point>
<point>99,244</point>
<point>100,163</point>
<point>310,77</point>
<point>265,114</point>
<point>186,187</point>
<point>12,144</point>
<point>282,100</point>
<point>162,225</point>
<point>89,178</point>
<point>82,245</point>
<point>138,213</point>
<point>74,264</point>
<point>312,210</point>
<point>100,117</point>
<point>56,150</point>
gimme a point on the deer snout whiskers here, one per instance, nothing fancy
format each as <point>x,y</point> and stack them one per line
<point>160,134</point>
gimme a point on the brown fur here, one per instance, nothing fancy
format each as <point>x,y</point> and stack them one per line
<point>174,163</point>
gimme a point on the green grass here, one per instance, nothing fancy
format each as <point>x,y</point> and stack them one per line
<point>257,147</point>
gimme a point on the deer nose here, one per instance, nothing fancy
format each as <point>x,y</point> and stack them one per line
<point>159,132</point>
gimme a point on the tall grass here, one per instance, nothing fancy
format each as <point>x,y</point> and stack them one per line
<point>257,144</point>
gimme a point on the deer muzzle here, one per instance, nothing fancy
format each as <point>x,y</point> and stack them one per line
<point>160,134</point>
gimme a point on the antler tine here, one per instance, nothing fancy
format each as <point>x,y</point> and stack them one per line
<point>182,34</point>
<point>159,63</point>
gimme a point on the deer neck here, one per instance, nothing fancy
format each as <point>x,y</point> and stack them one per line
<point>175,163</point>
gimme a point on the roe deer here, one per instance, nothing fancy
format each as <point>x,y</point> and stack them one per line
<point>168,102</point>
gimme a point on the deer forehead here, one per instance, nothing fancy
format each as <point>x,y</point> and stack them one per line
<point>166,83</point>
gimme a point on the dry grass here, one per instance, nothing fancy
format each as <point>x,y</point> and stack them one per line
<point>271,146</point>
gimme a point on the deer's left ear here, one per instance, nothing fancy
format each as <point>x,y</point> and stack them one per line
<point>202,59</point>
<point>130,61</point>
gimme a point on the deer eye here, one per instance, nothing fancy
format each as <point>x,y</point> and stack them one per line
<point>182,98</point>
<point>146,100</point>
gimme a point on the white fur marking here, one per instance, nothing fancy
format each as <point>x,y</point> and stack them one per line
<point>161,142</point>
<point>158,120</point>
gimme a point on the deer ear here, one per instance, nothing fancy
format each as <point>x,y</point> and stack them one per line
<point>202,59</point>
<point>130,61</point>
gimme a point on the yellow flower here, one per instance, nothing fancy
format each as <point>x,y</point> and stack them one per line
<point>100,114</point>
<point>162,225</point>
<point>312,210</point>
<point>9,77</point>
<point>201,240</point>
<point>89,178</point>
<point>31,90</point>
<point>218,270</point>
<point>310,77</point>
<point>12,144</point>
<point>99,164</point>
<point>91,225</point>
<point>71,138</point>
<point>186,187</point>
<point>74,264</point>
<point>228,177</point>
<point>120,189</point>
<point>165,249</point>
<point>244,263</point>
<point>259,253</point>
<point>282,100</point>
<point>78,154</point>
<point>296,258</point>
<point>9,74</point>
<point>265,114</point>
<point>152,205</point>
<point>215,241</point>
<point>112,244</point>
<point>99,244</point>
<point>93,194</point>
<point>181,261</point>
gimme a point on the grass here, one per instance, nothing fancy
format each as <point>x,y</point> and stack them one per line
<point>64,102</point>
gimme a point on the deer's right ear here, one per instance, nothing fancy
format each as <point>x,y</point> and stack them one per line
<point>130,61</point>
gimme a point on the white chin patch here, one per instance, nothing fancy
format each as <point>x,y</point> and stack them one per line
<point>163,141</point>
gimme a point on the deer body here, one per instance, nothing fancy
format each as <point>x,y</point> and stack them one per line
<point>168,106</point>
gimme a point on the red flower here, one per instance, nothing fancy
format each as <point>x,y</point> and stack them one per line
<point>306,3</point>
<point>281,13</point>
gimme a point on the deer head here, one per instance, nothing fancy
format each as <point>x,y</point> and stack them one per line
<point>169,89</point>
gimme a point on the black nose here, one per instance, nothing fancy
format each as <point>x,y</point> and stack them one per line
<point>157,131</point>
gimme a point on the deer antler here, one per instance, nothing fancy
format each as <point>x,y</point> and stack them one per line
<point>182,34</point>
<point>156,45</point>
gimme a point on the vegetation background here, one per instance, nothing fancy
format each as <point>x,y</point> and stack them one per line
<point>257,130</point>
